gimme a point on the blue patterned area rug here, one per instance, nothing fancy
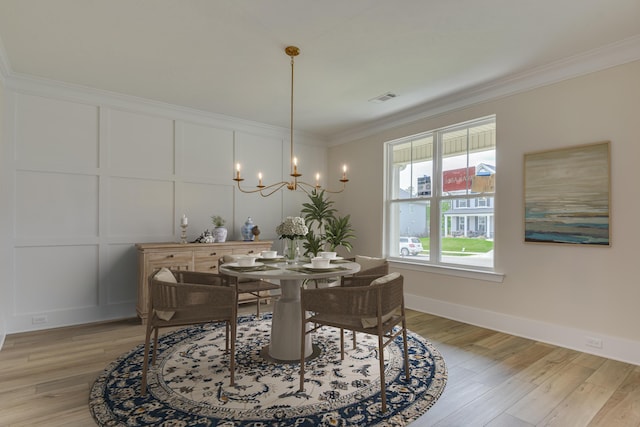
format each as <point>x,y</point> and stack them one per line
<point>189,385</point>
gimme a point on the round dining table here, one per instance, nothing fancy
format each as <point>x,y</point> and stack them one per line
<point>286,322</point>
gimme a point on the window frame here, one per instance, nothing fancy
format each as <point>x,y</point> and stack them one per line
<point>434,201</point>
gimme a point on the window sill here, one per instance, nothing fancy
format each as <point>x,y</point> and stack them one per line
<point>447,270</point>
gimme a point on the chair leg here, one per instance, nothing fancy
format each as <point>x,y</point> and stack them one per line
<point>145,364</point>
<point>155,346</point>
<point>383,386</point>
<point>354,339</point>
<point>341,344</point>
<point>406,351</point>
<point>303,336</point>
<point>232,354</point>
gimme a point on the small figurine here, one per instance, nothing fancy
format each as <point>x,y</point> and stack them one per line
<point>256,232</point>
<point>205,237</point>
<point>208,238</point>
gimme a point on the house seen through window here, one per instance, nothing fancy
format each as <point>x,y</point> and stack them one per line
<point>440,193</point>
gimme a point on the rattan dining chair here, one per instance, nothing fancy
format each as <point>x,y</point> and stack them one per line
<point>371,268</point>
<point>253,289</point>
<point>376,309</point>
<point>180,298</point>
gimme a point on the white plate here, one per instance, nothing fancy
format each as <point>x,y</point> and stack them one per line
<point>335,258</point>
<point>318,268</point>
<point>236,265</point>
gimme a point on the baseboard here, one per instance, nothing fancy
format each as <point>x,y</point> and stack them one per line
<point>62,318</point>
<point>3,330</point>
<point>615,348</point>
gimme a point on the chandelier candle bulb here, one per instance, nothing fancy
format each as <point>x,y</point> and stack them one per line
<point>237,170</point>
<point>344,172</point>
<point>259,179</point>
<point>318,180</point>
<point>295,165</point>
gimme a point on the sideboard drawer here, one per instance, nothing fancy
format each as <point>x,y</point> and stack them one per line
<point>252,250</point>
<point>207,261</point>
<point>177,257</point>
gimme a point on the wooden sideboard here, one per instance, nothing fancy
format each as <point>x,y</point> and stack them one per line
<point>190,256</point>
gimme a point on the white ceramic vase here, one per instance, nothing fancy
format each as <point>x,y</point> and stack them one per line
<point>220,234</point>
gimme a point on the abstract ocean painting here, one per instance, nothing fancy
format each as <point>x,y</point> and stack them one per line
<point>567,195</point>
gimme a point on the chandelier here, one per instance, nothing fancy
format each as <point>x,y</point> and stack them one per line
<point>295,183</point>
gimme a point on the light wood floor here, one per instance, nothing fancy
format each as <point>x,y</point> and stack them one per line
<point>495,379</point>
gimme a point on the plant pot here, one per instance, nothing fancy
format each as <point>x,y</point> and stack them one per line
<point>220,234</point>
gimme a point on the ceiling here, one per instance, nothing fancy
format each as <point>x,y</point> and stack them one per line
<point>227,56</point>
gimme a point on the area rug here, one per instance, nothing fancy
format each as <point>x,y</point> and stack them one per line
<point>189,385</point>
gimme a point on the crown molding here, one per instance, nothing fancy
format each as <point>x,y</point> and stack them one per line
<point>619,53</point>
<point>39,86</point>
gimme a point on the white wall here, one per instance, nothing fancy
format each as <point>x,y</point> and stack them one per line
<point>554,293</point>
<point>4,225</point>
<point>86,175</point>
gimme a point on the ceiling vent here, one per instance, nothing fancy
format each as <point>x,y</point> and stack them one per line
<point>383,98</point>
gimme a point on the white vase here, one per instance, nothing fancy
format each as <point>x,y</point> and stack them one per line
<point>220,234</point>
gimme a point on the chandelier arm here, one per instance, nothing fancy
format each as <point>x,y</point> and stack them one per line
<point>305,186</point>
<point>293,185</point>
<point>277,186</point>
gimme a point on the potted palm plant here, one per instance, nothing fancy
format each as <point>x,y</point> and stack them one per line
<point>326,230</point>
<point>338,233</point>
<point>219,232</point>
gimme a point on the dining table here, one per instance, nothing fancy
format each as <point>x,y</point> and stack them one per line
<point>286,322</point>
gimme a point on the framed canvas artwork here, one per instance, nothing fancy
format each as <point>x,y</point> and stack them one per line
<point>567,195</point>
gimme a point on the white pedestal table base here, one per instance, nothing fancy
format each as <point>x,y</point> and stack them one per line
<point>286,323</point>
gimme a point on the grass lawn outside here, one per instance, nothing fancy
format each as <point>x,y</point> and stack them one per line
<point>460,245</point>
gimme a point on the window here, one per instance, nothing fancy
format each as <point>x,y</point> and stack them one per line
<point>461,203</point>
<point>440,190</point>
<point>482,202</point>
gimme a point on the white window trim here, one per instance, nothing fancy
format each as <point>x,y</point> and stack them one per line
<point>466,272</point>
<point>434,265</point>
